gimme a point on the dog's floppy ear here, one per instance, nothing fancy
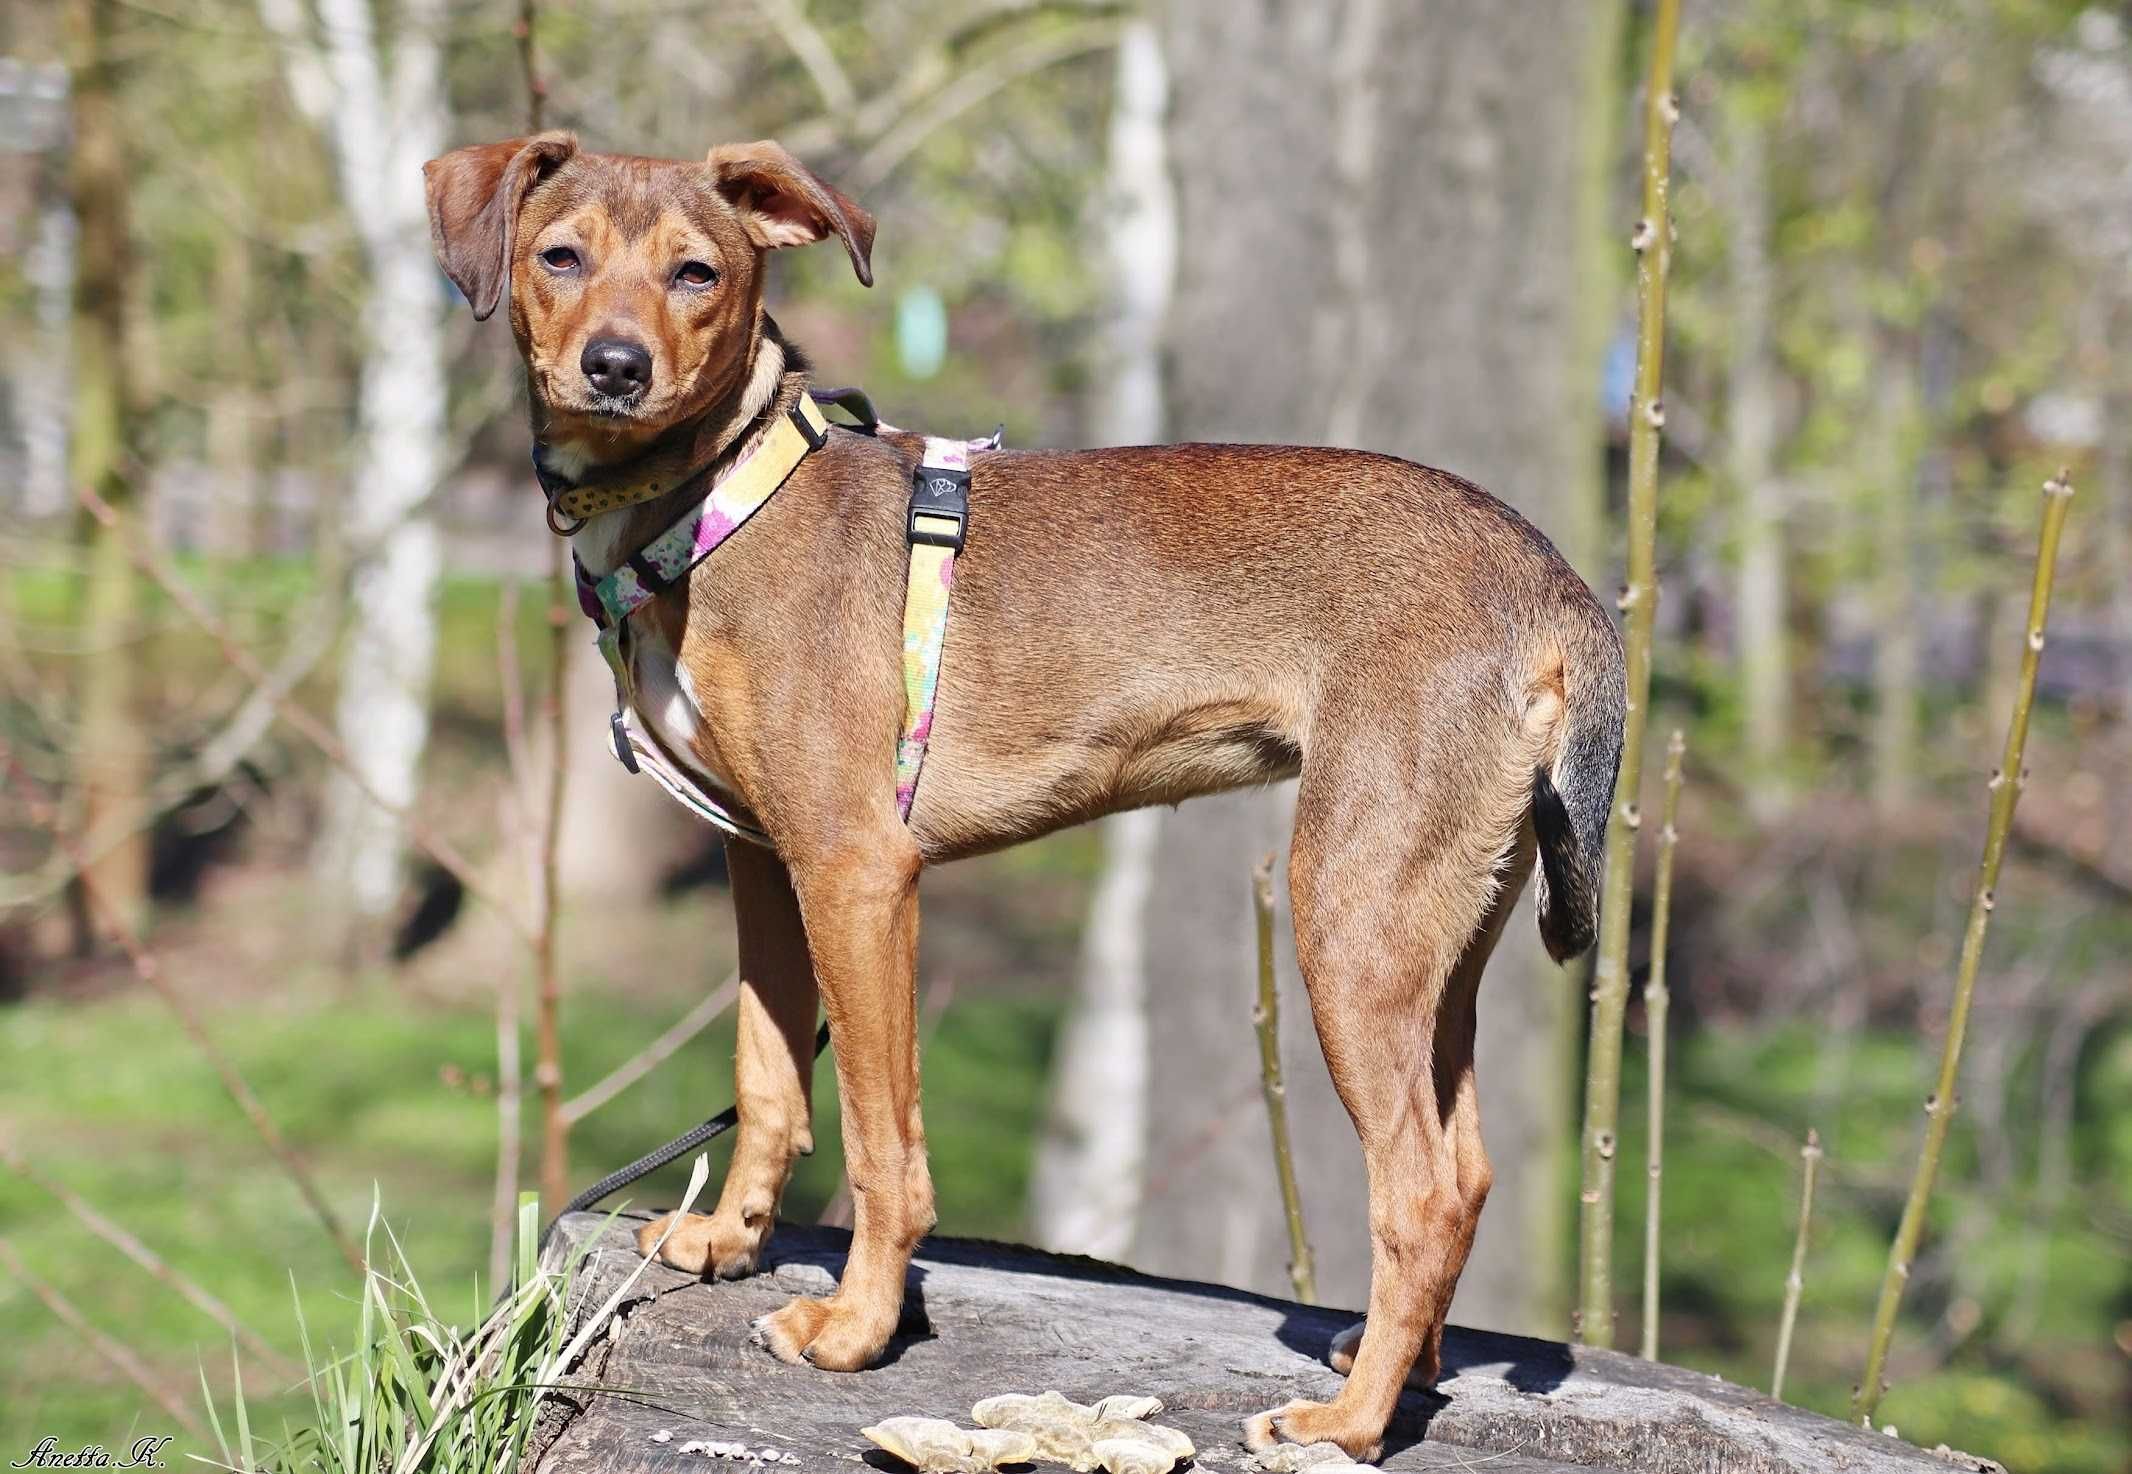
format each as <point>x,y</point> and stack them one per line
<point>474,195</point>
<point>783,203</point>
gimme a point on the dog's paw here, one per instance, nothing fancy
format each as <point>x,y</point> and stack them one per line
<point>828,1334</point>
<point>1340,1356</point>
<point>1303,1421</point>
<point>719,1245</point>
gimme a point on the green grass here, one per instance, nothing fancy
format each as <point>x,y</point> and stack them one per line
<point>116,1105</point>
<point>413,1386</point>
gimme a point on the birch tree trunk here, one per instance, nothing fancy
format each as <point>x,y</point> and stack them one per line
<point>1085,1192</point>
<point>1385,217</point>
<point>384,111</point>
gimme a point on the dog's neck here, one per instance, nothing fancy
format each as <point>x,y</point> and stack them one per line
<point>691,457</point>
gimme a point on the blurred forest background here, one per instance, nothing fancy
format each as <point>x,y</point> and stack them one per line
<point>1902,287</point>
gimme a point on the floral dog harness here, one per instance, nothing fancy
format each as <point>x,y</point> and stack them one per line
<point>935,527</point>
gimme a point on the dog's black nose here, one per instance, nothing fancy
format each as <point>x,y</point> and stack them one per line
<point>618,369</point>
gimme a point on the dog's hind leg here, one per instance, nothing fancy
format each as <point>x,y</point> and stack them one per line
<point>1454,1061</point>
<point>773,1074</point>
<point>1404,869</point>
<point>861,905</point>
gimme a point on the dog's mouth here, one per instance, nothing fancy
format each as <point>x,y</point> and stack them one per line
<point>609,407</point>
<point>568,396</point>
<point>606,414</point>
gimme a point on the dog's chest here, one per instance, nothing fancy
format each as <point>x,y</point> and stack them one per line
<point>665,700</point>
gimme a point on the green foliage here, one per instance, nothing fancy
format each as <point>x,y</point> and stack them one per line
<point>384,1082</point>
<point>2035,1387</point>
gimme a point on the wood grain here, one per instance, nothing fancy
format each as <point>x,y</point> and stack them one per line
<point>985,1318</point>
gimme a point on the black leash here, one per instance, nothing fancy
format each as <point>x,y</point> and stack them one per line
<point>651,1162</point>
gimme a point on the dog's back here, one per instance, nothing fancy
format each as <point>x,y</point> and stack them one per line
<point>1175,620</point>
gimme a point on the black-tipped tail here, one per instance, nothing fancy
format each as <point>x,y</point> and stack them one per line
<point>1570,803</point>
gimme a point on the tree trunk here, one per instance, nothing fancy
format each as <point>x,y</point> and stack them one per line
<point>1012,1318</point>
<point>383,714</point>
<point>1085,1191</point>
<point>1389,212</point>
<point>1765,673</point>
<point>113,759</point>
<point>384,121</point>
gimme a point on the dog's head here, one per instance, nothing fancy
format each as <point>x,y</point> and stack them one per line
<point>635,285</point>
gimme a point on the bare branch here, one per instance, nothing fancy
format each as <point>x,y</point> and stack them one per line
<point>964,90</point>
<point>1652,241</point>
<point>154,1263</point>
<point>812,50</point>
<point>925,76</point>
<point>145,968</point>
<point>446,854</point>
<point>1795,1282</point>
<point>654,1054</point>
<point>1266,1021</point>
<point>1657,1000</point>
<point>208,767</point>
<point>130,1366</point>
<point>2005,788</point>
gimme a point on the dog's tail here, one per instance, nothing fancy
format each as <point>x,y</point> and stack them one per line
<point>1570,798</point>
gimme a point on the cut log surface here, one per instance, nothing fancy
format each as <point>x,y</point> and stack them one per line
<point>985,1318</point>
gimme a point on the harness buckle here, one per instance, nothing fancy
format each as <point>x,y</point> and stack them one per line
<point>940,508</point>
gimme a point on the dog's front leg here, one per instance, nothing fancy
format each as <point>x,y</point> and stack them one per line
<point>773,1075</point>
<point>861,908</point>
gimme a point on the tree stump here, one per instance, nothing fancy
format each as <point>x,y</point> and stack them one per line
<point>985,1318</point>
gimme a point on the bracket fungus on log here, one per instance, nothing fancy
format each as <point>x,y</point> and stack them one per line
<point>939,1447</point>
<point>1113,1433</point>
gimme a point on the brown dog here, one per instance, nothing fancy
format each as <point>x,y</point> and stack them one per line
<point>1128,627</point>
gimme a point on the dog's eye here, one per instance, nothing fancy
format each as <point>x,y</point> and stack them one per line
<point>559,258</point>
<point>695,274</point>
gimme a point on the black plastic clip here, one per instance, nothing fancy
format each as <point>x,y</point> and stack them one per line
<point>619,730</point>
<point>815,439</point>
<point>938,495</point>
